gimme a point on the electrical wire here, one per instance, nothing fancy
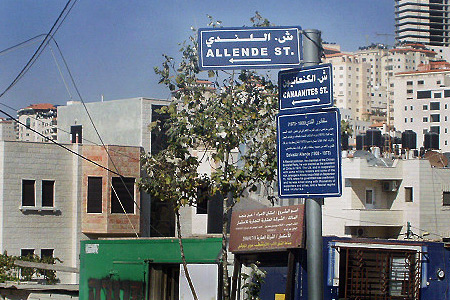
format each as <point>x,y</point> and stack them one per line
<point>58,144</point>
<point>87,159</point>
<point>123,208</point>
<point>41,47</point>
<point>99,136</point>
<point>376,223</point>
<point>21,45</point>
<point>64,81</point>
<point>57,24</point>
<point>60,72</point>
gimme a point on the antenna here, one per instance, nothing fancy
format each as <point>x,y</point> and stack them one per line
<point>386,36</point>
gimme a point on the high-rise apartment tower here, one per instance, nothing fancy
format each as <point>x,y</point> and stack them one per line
<point>422,21</point>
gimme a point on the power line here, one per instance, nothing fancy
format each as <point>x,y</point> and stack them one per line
<point>57,24</point>
<point>91,161</point>
<point>100,138</point>
<point>21,45</point>
<point>59,69</point>
<point>41,47</point>
<point>377,223</point>
<point>60,145</point>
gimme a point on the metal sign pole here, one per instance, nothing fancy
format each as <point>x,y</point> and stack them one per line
<point>312,51</point>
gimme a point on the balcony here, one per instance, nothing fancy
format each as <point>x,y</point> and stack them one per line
<point>373,217</point>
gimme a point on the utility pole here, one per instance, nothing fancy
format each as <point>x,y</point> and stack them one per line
<point>312,51</point>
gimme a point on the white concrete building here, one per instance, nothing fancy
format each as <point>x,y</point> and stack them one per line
<point>422,104</point>
<point>40,118</point>
<point>119,122</point>
<point>351,84</point>
<point>373,55</point>
<point>7,130</point>
<point>50,198</point>
<point>380,197</point>
<point>39,201</point>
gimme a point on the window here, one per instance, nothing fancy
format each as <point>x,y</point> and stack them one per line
<point>408,194</point>
<point>436,129</point>
<point>123,189</point>
<point>46,253</point>
<point>435,118</point>
<point>202,201</point>
<point>437,95</point>
<point>94,195</point>
<point>420,82</point>
<point>369,197</point>
<point>446,198</point>
<point>423,94</point>
<point>435,105</point>
<point>395,273</point>
<point>425,119</point>
<point>28,195</point>
<point>425,107</point>
<point>48,188</point>
<point>26,252</point>
<point>409,83</point>
<point>447,93</point>
<point>409,91</point>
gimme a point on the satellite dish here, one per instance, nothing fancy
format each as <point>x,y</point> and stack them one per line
<point>436,159</point>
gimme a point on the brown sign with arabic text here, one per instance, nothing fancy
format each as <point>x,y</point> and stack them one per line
<point>270,229</point>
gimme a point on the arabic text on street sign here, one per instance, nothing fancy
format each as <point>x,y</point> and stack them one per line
<point>249,48</point>
<point>308,88</point>
<point>309,161</point>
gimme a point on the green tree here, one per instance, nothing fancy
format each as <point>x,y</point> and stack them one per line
<point>346,128</point>
<point>253,282</point>
<point>231,123</point>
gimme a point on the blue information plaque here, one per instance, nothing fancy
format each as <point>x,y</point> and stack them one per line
<point>309,156</point>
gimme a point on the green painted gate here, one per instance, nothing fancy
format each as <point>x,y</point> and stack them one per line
<point>120,268</point>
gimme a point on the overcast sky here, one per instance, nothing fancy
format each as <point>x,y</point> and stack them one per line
<point>112,46</point>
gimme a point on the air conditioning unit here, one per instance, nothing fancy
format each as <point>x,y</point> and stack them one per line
<point>390,186</point>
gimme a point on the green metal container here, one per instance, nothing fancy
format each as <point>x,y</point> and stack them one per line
<point>120,268</point>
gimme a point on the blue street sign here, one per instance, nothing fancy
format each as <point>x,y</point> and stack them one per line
<point>249,48</point>
<point>306,89</point>
<point>309,158</point>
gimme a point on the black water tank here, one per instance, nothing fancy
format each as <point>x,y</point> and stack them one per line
<point>360,141</point>
<point>431,141</point>
<point>409,139</point>
<point>344,141</point>
<point>373,138</point>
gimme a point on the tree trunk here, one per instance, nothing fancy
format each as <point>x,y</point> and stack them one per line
<point>183,257</point>
<point>225,281</point>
